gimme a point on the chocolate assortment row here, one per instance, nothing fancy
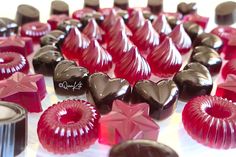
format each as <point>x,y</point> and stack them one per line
<point>109,55</point>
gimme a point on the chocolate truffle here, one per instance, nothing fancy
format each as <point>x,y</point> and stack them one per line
<point>192,29</point>
<point>26,13</point>
<point>94,4</point>
<point>155,6</point>
<point>194,80</point>
<point>46,59</point>
<point>70,79</point>
<point>225,13</point>
<point>52,38</point>
<point>142,148</point>
<point>209,40</point>
<point>208,57</point>
<point>123,4</point>
<point>59,7</point>
<point>13,126</point>
<point>187,8</point>
<point>8,27</point>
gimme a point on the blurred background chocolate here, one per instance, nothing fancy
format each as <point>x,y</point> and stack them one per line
<point>187,8</point>
<point>156,6</point>
<point>94,4</point>
<point>66,25</point>
<point>13,129</point>
<point>123,4</point>
<point>59,7</point>
<point>225,13</point>
<point>26,13</point>
<point>7,26</point>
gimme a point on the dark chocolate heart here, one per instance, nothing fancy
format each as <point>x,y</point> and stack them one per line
<point>46,59</point>
<point>193,29</point>
<point>70,79</point>
<point>186,8</point>
<point>66,25</point>
<point>105,89</point>
<point>194,80</point>
<point>162,97</point>
<point>52,38</point>
<point>207,57</point>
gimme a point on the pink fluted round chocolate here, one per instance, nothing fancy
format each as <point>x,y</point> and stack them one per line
<point>136,20</point>
<point>201,20</point>
<point>119,26</point>
<point>119,45</point>
<point>109,20</point>
<point>229,68</point>
<point>211,120</point>
<point>56,19</point>
<point>181,39</point>
<point>11,62</point>
<point>95,58</point>
<point>132,67</point>
<point>162,26</point>
<point>68,127</point>
<point>93,31</point>
<point>74,44</point>
<point>165,60</point>
<point>227,89</point>
<point>146,38</point>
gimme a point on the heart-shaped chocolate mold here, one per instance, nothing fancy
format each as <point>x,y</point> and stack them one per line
<point>194,80</point>
<point>105,89</point>
<point>208,57</point>
<point>70,79</point>
<point>186,8</point>
<point>162,97</point>
<point>52,38</point>
<point>46,59</point>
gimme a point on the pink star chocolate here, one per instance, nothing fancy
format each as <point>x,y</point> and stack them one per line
<point>74,44</point>
<point>229,68</point>
<point>22,45</point>
<point>181,39</point>
<point>127,122</point>
<point>109,20</point>
<point>136,20</point>
<point>165,60</point>
<point>95,58</point>
<point>227,89</point>
<point>26,90</point>
<point>201,20</point>
<point>146,38</point>
<point>133,67</point>
<point>93,31</point>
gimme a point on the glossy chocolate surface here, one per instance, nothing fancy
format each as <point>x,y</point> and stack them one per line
<point>209,40</point>
<point>66,25</point>
<point>70,79</point>
<point>173,21</point>
<point>156,6</point>
<point>59,7</point>
<point>85,18</point>
<point>142,148</point>
<point>52,38</point>
<point>208,57</point>
<point>7,26</point>
<point>225,13</point>
<point>14,130</point>
<point>194,80</point>
<point>162,97</point>
<point>26,13</point>
<point>193,29</point>
<point>105,89</point>
<point>93,4</point>
<point>46,59</point>
<point>187,8</point>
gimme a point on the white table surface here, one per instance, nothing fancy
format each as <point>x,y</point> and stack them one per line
<point>172,132</point>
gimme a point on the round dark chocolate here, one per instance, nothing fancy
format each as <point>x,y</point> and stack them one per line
<point>162,97</point>
<point>70,79</point>
<point>93,4</point>
<point>225,13</point>
<point>52,38</point>
<point>46,59</point>
<point>66,25</point>
<point>59,7</point>
<point>7,26</point>
<point>142,148</point>
<point>26,13</point>
<point>207,57</point>
<point>13,129</point>
<point>193,29</point>
<point>209,40</point>
<point>194,80</point>
<point>105,90</point>
<point>156,6</point>
<point>186,8</point>
<point>123,4</point>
